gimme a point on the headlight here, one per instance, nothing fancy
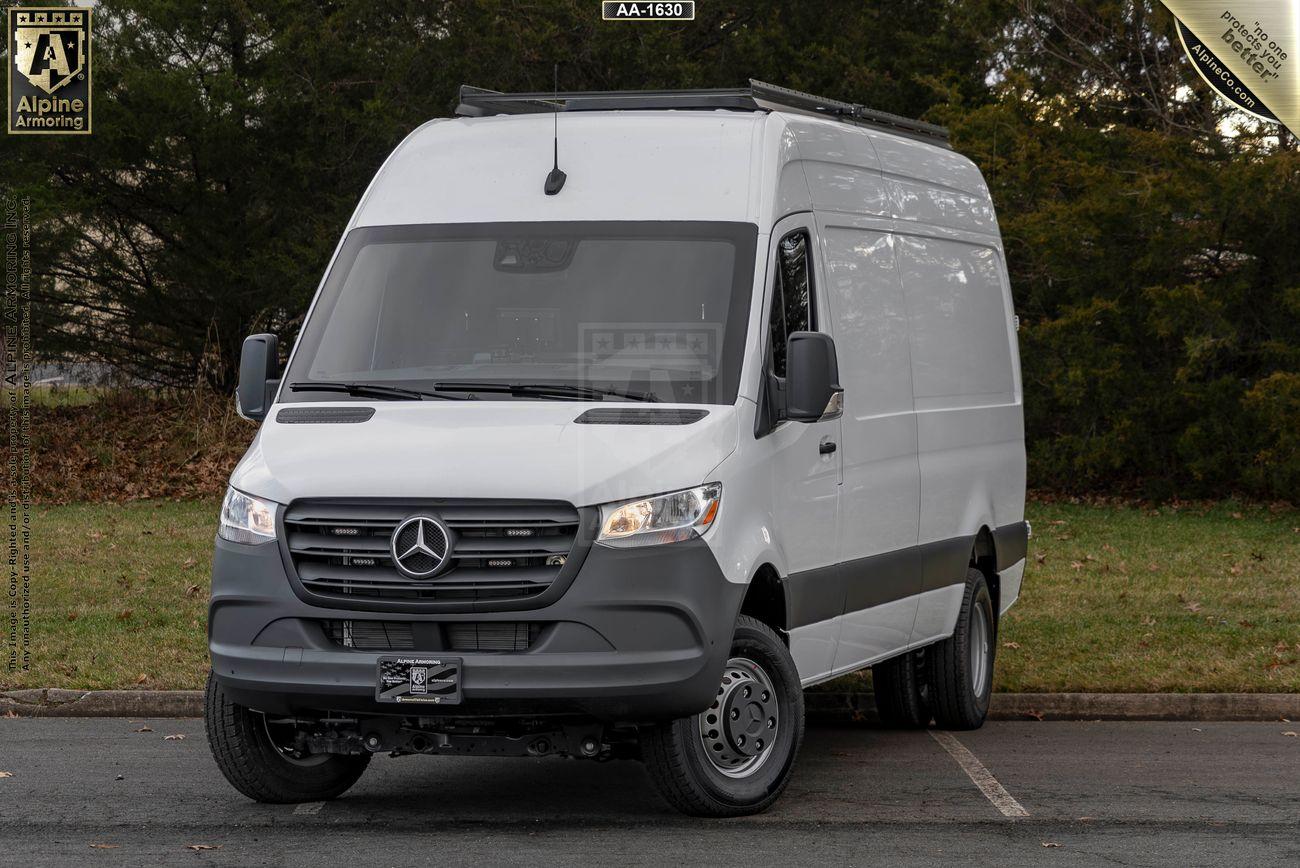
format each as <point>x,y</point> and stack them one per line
<point>245,519</point>
<point>666,518</point>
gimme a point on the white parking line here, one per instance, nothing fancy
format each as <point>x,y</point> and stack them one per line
<point>980,776</point>
<point>309,808</point>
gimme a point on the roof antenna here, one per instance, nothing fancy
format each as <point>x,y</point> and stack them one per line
<point>555,180</point>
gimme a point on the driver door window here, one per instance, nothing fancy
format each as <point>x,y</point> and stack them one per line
<point>792,298</point>
<point>793,310</point>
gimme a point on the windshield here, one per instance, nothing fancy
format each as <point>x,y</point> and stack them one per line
<point>653,308</point>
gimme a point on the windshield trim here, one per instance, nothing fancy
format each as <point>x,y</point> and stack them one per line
<point>743,236</point>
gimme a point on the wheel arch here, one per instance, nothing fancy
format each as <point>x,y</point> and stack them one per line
<point>984,557</point>
<point>766,599</point>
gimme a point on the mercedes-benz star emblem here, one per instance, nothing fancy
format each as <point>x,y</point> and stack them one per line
<point>419,546</point>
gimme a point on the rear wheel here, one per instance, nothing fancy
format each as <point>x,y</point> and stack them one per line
<point>735,757</point>
<point>902,696</point>
<point>961,666</point>
<point>257,755</point>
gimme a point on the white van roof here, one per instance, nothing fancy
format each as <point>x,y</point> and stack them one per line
<point>658,164</point>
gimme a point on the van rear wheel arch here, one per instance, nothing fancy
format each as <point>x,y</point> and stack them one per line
<point>984,557</point>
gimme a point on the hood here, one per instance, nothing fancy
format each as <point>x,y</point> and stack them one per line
<point>495,449</point>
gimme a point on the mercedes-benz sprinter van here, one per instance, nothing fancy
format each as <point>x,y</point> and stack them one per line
<point>616,422</point>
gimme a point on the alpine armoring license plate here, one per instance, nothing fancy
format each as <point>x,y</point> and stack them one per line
<point>428,680</point>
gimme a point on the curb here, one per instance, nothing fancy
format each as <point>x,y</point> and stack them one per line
<point>821,706</point>
<point>56,702</point>
<point>1089,706</point>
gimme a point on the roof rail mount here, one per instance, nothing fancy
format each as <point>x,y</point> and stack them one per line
<point>759,96</point>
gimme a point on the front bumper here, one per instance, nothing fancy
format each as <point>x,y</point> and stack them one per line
<point>641,634</point>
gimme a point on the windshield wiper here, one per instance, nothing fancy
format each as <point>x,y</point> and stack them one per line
<point>546,390</point>
<point>372,390</point>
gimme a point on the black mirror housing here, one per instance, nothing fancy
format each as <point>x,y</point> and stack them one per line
<point>812,378</point>
<point>259,361</point>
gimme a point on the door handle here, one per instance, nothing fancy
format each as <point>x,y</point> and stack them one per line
<point>826,447</point>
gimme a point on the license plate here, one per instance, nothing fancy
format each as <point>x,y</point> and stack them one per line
<point>427,680</point>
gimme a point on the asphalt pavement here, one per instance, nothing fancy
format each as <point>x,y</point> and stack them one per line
<point>99,791</point>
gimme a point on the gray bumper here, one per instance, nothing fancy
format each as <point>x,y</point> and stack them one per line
<point>640,634</point>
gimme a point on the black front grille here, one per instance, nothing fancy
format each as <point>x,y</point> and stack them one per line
<point>371,635</point>
<point>500,550</point>
<point>491,636</point>
<point>428,636</point>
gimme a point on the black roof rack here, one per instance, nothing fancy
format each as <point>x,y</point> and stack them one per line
<point>759,96</point>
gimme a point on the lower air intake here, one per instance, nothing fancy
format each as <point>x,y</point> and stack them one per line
<point>456,636</point>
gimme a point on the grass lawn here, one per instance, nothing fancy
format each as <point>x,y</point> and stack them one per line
<point>119,595</point>
<point>1201,598</point>
<point>1115,599</point>
<point>59,395</point>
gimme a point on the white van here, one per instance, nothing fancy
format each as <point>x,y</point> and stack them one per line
<point>619,419</point>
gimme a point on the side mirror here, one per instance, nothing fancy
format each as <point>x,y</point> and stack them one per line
<point>258,364</point>
<point>812,378</point>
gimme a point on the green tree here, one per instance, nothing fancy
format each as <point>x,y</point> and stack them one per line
<point>233,138</point>
<point>1150,236</point>
<point>1150,231</point>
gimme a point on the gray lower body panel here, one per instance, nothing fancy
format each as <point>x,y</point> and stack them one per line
<point>827,592</point>
<point>641,634</point>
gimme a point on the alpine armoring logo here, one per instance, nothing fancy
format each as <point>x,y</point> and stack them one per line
<point>49,70</point>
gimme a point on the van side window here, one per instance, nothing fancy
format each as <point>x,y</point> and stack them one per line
<point>792,309</point>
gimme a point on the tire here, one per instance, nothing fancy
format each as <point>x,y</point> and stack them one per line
<point>684,761</point>
<point>960,686</point>
<point>902,695</point>
<point>241,744</point>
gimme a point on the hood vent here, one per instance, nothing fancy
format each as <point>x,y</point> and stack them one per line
<point>317,415</point>
<point>640,416</point>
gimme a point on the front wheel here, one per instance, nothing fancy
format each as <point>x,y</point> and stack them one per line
<point>258,757</point>
<point>735,757</point>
